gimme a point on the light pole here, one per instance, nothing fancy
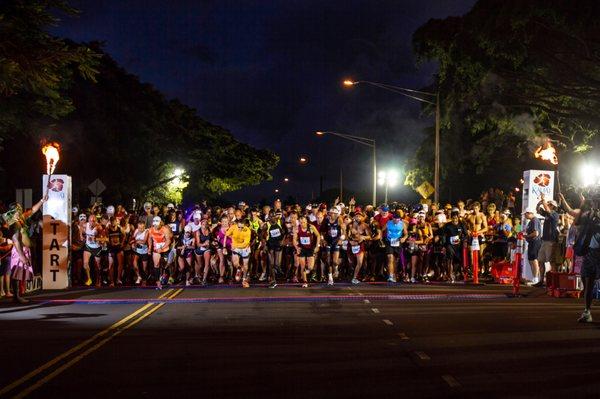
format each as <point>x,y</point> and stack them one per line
<point>364,141</point>
<point>414,94</point>
<point>387,178</point>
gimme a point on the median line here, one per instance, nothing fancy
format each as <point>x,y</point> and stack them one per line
<point>80,346</point>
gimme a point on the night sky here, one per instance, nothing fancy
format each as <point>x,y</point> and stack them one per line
<point>271,72</point>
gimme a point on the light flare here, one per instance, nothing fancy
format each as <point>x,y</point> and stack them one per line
<point>52,153</point>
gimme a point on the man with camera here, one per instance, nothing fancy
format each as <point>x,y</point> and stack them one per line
<point>587,245</point>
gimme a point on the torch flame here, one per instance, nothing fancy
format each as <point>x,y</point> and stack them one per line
<point>547,152</point>
<point>51,152</point>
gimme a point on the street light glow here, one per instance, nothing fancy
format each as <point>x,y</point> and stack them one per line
<point>348,82</point>
<point>319,133</point>
<point>590,175</point>
<point>276,190</point>
<point>303,160</point>
<point>286,180</point>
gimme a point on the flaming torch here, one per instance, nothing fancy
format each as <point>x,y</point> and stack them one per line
<point>52,153</point>
<point>547,152</point>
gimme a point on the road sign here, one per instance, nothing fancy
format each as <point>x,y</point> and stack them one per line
<point>97,187</point>
<point>425,189</point>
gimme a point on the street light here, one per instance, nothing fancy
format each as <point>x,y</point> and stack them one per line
<point>415,96</point>
<point>303,159</point>
<point>364,141</point>
<point>387,178</point>
<point>285,179</point>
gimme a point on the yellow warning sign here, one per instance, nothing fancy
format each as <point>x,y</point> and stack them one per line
<point>425,189</point>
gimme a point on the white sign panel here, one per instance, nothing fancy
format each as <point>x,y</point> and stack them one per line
<point>56,231</point>
<point>537,182</point>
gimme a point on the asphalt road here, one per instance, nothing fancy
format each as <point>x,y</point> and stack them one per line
<point>352,342</point>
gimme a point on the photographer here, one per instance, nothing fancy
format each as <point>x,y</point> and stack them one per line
<point>588,246</point>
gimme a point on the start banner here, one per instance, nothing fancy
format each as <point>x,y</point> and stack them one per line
<point>56,232</point>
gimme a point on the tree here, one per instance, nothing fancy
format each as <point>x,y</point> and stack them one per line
<point>35,67</point>
<point>512,73</point>
<point>142,145</point>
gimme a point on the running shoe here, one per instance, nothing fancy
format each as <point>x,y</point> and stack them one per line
<point>273,284</point>
<point>336,272</point>
<point>158,285</point>
<point>238,275</point>
<point>330,280</point>
<point>262,277</point>
<point>163,280</point>
<point>314,278</point>
<point>119,282</point>
<point>391,279</point>
<point>171,280</point>
<point>203,283</point>
<point>88,282</point>
<point>413,280</point>
<point>245,284</point>
<point>304,285</point>
<point>294,279</point>
<point>188,283</point>
<point>221,280</point>
<point>355,281</point>
<point>138,280</point>
<point>586,317</point>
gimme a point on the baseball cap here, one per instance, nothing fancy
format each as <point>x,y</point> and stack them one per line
<point>110,210</point>
<point>197,215</point>
<point>385,208</point>
<point>529,209</point>
<point>309,207</point>
<point>187,229</point>
<point>397,215</point>
<point>156,219</point>
<point>334,210</point>
<point>553,203</point>
<point>170,206</point>
<point>82,217</point>
<point>147,205</point>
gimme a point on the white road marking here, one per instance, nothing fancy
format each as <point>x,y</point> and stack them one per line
<point>389,323</point>
<point>375,310</point>
<point>451,381</point>
<point>422,355</point>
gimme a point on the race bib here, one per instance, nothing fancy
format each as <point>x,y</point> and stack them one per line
<point>275,233</point>
<point>173,227</point>
<point>333,233</point>
<point>475,244</point>
<point>454,240</point>
<point>355,249</point>
<point>159,245</point>
<point>395,242</point>
<point>344,243</point>
<point>305,240</point>
<point>142,249</point>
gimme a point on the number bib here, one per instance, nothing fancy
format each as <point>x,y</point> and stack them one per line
<point>275,233</point>
<point>355,249</point>
<point>333,233</point>
<point>305,240</point>
<point>395,242</point>
<point>454,240</point>
<point>475,244</point>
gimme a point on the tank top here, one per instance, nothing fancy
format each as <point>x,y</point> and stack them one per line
<point>331,230</point>
<point>195,227</point>
<point>275,233</point>
<point>222,238</point>
<point>90,236</point>
<point>158,240</point>
<point>306,238</point>
<point>141,249</point>
<point>394,232</point>
<point>188,242</point>
<point>115,236</point>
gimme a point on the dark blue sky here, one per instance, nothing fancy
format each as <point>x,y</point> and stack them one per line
<point>270,72</point>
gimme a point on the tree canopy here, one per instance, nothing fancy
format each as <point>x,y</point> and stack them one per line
<point>512,73</point>
<point>110,125</point>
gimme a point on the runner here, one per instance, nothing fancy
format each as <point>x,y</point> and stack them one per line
<point>272,240</point>
<point>395,234</point>
<point>202,237</point>
<point>455,235</point>
<point>332,234</point>
<point>116,242</point>
<point>159,242</point>
<point>185,251</point>
<point>139,243</point>
<point>358,235</point>
<point>223,246</point>
<point>306,242</point>
<point>240,245</point>
<point>477,224</point>
<point>92,249</point>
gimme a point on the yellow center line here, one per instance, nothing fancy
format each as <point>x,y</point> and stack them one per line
<point>91,349</point>
<point>74,349</point>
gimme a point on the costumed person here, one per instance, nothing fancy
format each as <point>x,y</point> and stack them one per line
<point>21,269</point>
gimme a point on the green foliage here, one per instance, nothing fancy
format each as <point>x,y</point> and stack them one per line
<point>512,72</point>
<point>129,135</point>
<point>36,67</point>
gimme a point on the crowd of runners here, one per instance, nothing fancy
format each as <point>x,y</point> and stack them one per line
<point>162,245</point>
